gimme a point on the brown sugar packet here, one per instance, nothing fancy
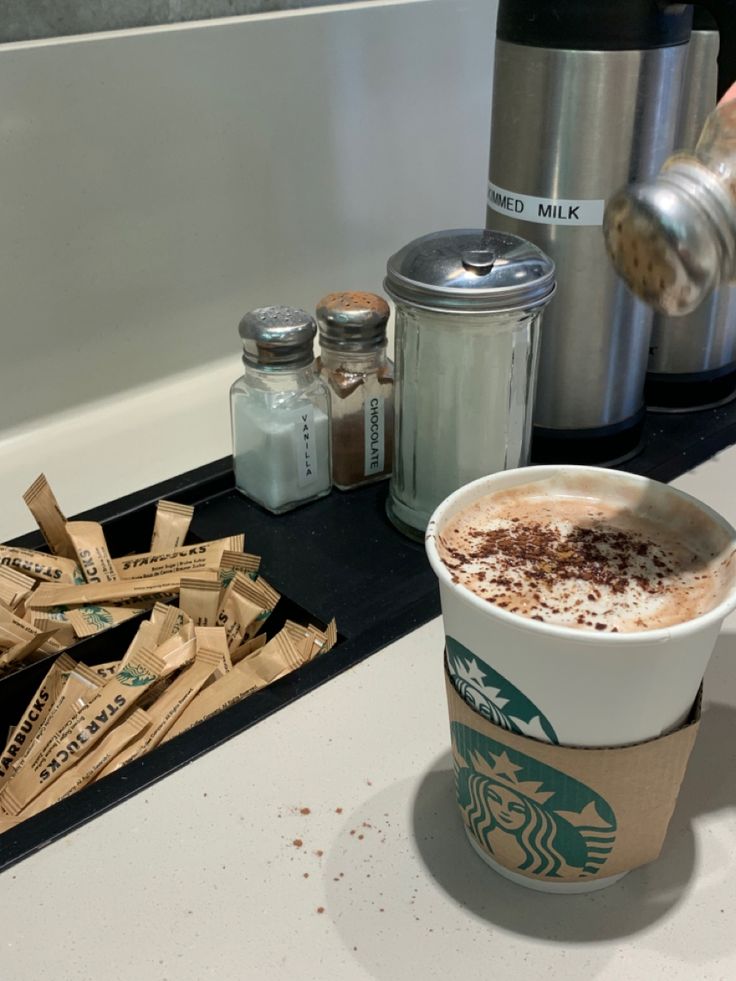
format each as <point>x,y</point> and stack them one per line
<point>44,507</point>
<point>56,613</point>
<point>33,718</point>
<point>177,652</point>
<point>276,659</point>
<point>66,746</point>
<point>232,562</point>
<point>167,708</point>
<point>14,586</point>
<point>40,565</point>
<point>240,653</point>
<point>63,633</point>
<point>15,629</point>
<point>78,688</point>
<point>241,606</point>
<point>300,637</point>
<point>205,555</point>
<point>86,621</point>
<point>199,597</point>
<point>258,593</point>
<point>93,554</point>
<point>214,639</point>
<point>20,652</point>
<point>115,593</point>
<point>330,636</point>
<point>171,620</point>
<point>171,525</point>
<point>269,599</point>
<point>145,636</point>
<point>91,764</point>
<point>310,640</point>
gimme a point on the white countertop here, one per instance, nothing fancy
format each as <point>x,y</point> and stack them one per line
<point>201,875</point>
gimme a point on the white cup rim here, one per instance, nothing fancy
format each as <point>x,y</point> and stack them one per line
<point>573,634</point>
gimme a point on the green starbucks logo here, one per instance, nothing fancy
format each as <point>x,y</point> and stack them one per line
<point>133,675</point>
<point>495,698</point>
<point>531,816</point>
<point>96,616</point>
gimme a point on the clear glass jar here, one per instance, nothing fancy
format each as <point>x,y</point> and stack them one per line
<point>360,378</point>
<point>468,312</point>
<point>280,412</point>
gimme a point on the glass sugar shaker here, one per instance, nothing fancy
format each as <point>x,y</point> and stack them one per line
<point>280,411</point>
<point>360,378</point>
<point>469,305</point>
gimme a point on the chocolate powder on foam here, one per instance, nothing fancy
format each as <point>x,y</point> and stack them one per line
<point>592,576</point>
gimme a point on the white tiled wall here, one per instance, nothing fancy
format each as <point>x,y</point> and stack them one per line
<point>157,183</point>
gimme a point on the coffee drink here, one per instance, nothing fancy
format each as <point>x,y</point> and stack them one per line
<point>574,558</point>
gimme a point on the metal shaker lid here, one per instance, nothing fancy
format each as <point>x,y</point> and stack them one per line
<point>352,320</point>
<point>278,335</point>
<point>471,270</point>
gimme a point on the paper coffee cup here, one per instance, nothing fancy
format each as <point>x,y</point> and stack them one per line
<point>569,686</point>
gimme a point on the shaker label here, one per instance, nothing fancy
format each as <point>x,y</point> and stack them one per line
<point>374,440</point>
<point>306,450</point>
<point>546,211</point>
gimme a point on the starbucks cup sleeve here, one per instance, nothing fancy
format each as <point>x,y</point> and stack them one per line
<point>564,814</point>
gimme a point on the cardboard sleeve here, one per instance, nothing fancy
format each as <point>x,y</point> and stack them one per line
<point>561,813</point>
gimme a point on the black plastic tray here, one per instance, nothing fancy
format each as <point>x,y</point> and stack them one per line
<point>337,557</point>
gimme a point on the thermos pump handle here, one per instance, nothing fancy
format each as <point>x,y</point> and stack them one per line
<point>724,14</point>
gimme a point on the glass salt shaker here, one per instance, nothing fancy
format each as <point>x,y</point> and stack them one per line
<point>280,411</point>
<point>360,378</point>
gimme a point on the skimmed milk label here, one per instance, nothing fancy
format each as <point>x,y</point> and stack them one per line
<point>546,211</point>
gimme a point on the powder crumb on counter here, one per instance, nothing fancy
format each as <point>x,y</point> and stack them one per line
<point>320,909</point>
<point>338,810</point>
<point>297,843</point>
<point>306,875</point>
<point>304,810</point>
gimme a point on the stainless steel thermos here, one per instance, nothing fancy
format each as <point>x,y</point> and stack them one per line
<point>586,98</point>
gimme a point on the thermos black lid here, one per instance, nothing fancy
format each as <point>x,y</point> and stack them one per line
<point>594,25</point>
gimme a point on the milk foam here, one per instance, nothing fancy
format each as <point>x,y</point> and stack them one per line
<point>586,562</point>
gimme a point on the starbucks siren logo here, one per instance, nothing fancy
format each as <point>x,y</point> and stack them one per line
<point>495,698</point>
<point>527,814</point>
<point>133,675</point>
<point>96,616</point>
